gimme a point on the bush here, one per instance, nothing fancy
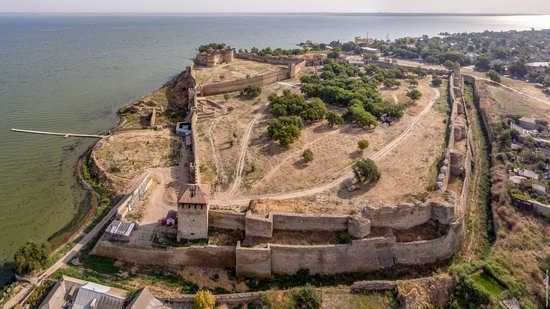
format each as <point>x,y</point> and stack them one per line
<point>204,300</point>
<point>334,119</point>
<point>363,144</point>
<point>251,91</point>
<point>414,95</point>
<point>344,238</point>
<point>493,76</point>
<point>307,155</point>
<point>307,298</point>
<point>436,81</point>
<point>31,257</point>
<point>366,170</point>
<point>285,130</point>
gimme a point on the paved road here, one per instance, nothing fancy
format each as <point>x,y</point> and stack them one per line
<point>225,201</point>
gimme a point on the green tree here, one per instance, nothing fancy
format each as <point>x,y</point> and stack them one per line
<point>334,119</point>
<point>285,129</point>
<point>30,257</point>
<point>436,81</point>
<point>413,82</point>
<point>363,144</point>
<point>252,91</point>
<point>449,64</point>
<point>307,298</point>
<point>414,95</point>
<point>366,170</point>
<point>483,63</point>
<point>391,82</point>
<point>204,300</point>
<point>307,155</point>
<point>494,76</point>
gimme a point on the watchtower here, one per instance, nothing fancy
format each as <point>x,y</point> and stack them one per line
<point>193,213</point>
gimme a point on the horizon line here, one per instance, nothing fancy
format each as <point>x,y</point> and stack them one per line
<point>283,12</point>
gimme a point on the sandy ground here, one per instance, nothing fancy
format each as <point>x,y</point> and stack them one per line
<point>238,69</point>
<point>127,154</point>
<point>279,170</point>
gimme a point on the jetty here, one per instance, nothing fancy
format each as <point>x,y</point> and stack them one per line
<point>59,134</point>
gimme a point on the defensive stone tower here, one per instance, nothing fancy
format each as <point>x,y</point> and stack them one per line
<point>193,213</point>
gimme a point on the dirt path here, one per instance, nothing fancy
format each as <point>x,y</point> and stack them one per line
<point>215,154</point>
<point>229,201</point>
<point>236,185</point>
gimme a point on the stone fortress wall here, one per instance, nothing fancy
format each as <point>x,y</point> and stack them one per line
<point>363,254</point>
<point>295,65</point>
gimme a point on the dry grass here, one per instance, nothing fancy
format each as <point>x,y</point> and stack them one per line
<point>127,154</point>
<point>238,69</point>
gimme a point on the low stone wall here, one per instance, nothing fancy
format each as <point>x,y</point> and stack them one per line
<point>133,197</point>
<point>240,84</point>
<point>205,256</point>
<point>258,226</point>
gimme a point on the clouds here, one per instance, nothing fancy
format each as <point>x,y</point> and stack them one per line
<point>175,6</point>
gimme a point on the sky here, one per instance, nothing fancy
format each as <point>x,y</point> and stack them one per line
<point>228,6</point>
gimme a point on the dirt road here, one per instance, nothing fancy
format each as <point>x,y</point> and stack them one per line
<point>225,201</point>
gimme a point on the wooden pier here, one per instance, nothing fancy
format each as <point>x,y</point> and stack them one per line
<point>59,134</point>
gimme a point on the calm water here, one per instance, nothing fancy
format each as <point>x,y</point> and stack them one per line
<point>70,73</point>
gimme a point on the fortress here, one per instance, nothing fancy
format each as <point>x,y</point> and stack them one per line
<point>212,58</point>
<point>375,232</point>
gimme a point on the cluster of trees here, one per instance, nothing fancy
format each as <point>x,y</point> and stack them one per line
<point>32,256</point>
<point>276,51</point>
<point>291,111</point>
<point>360,96</point>
<point>214,46</point>
<point>251,91</point>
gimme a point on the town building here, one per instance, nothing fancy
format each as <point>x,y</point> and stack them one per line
<point>69,293</point>
<point>193,213</point>
<point>119,230</point>
<point>212,58</point>
<point>539,189</point>
<point>370,50</point>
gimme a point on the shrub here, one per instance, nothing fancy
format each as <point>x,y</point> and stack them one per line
<point>414,95</point>
<point>334,119</point>
<point>307,298</point>
<point>436,81</point>
<point>307,155</point>
<point>493,76</point>
<point>363,144</point>
<point>204,300</point>
<point>251,91</point>
<point>366,170</point>
<point>31,257</point>
<point>285,130</point>
<point>344,238</point>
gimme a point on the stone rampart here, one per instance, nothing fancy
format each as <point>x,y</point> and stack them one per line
<point>133,197</point>
<point>226,220</point>
<point>258,226</point>
<point>363,255</point>
<point>430,251</point>
<point>205,256</point>
<point>280,60</point>
<point>240,84</point>
<point>406,215</point>
<point>305,222</point>
<point>253,262</point>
